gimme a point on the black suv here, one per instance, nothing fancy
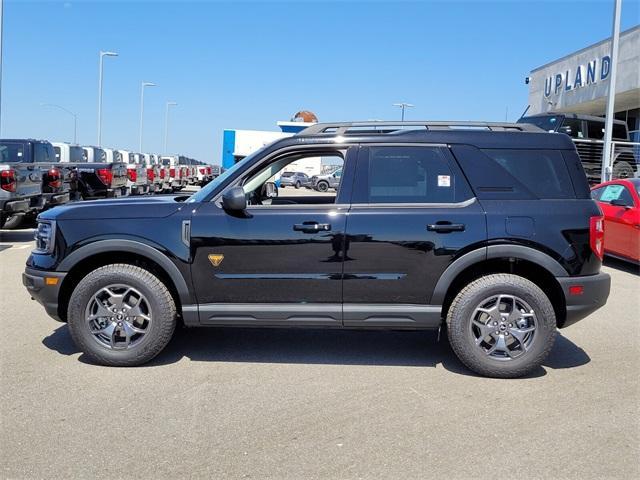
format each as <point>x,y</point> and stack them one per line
<point>487,228</point>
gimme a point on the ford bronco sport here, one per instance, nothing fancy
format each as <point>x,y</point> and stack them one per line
<point>485,229</point>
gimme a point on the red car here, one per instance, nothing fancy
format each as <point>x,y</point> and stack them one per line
<point>620,204</point>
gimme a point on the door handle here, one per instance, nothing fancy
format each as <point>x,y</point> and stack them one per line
<point>445,227</point>
<point>312,227</point>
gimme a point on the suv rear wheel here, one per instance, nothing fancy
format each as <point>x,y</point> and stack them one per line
<point>121,315</point>
<point>501,325</point>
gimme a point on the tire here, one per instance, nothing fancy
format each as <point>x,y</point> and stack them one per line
<point>463,332</point>
<point>322,186</point>
<point>622,169</point>
<point>117,277</point>
<point>13,222</point>
<point>298,185</point>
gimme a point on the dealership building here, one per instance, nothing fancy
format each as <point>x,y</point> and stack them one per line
<point>579,82</point>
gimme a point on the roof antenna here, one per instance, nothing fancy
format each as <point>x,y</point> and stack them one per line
<point>525,111</point>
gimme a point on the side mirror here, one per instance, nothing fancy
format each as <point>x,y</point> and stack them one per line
<point>619,203</point>
<point>234,200</point>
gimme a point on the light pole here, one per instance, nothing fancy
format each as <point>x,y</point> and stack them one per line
<point>75,119</point>
<point>166,124</point>
<point>607,162</point>
<point>102,54</point>
<point>142,85</point>
<point>1,5</point>
<point>403,105</point>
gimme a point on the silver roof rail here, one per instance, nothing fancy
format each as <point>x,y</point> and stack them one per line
<point>351,128</point>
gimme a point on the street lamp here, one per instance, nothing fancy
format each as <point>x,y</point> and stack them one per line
<point>1,24</point>
<point>403,105</point>
<point>102,54</point>
<point>142,85</point>
<point>75,119</point>
<point>166,124</point>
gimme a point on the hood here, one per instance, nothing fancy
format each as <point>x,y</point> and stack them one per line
<point>127,207</point>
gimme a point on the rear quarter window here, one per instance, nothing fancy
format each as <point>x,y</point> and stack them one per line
<point>543,172</point>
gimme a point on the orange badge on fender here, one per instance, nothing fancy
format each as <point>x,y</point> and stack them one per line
<point>216,259</point>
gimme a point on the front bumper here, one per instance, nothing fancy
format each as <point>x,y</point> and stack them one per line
<point>595,291</point>
<point>41,287</point>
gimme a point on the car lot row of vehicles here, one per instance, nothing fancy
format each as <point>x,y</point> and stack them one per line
<point>36,175</point>
<point>320,183</point>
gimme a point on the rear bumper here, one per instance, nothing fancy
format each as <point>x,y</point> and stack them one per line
<point>44,293</point>
<point>16,206</point>
<point>52,199</point>
<point>594,295</point>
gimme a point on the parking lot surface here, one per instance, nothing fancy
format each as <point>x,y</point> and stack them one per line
<point>293,404</point>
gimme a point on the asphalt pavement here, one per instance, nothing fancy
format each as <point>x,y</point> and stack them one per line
<point>305,404</point>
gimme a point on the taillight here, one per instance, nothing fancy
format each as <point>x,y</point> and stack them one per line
<point>53,176</point>
<point>132,174</point>
<point>8,180</point>
<point>208,170</point>
<point>150,174</point>
<point>203,171</point>
<point>172,172</point>
<point>596,235</point>
<point>105,175</point>
<point>162,173</point>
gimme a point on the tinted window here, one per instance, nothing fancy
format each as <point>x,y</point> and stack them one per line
<point>76,154</point>
<point>288,174</point>
<point>413,175</point>
<point>572,127</point>
<point>44,153</point>
<point>543,172</point>
<point>11,152</point>
<point>595,129</point>
<point>596,193</point>
<point>619,132</point>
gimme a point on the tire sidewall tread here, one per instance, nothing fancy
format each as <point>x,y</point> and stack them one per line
<point>459,317</point>
<point>161,303</point>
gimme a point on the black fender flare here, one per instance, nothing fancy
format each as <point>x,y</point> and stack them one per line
<point>130,246</point>
<point>490,252</point>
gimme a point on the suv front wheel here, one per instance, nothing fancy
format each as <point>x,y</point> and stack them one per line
<point>501,325</point>
<point>121,315</point>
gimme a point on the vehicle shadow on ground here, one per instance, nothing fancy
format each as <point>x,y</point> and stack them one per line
<point>621,265</point>
<point>330,347</point>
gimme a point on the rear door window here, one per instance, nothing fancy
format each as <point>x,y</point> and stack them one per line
<point>407,174</point>
<point>543,172</point>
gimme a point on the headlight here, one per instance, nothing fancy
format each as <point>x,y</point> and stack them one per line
<point>45,236</point>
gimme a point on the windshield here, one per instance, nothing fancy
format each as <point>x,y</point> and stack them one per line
<point>545,122</point>
<point>11,152</point>
<point>203,193</point>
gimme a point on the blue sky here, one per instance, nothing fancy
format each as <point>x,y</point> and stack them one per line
<point>248,64</point>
